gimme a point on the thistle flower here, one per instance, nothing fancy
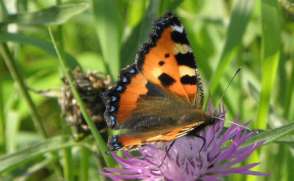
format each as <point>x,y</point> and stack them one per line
<point>89,85</point>
<point>204,157</point>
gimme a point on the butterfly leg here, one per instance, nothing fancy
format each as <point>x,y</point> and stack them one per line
<point>166,153</point>
<point>204,141</point>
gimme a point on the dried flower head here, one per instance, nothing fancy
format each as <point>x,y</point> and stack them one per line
<point>90,86</point>
<point>204,157</point>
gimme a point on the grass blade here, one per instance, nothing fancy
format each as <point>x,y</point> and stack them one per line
<point>10,63</point>
<point>67,164</point>
<point>38,43</point>
<point>12,161</point>
<point>270,57</point>
<point>289,94</point>
<point>67,73</point>
<point>54,15</point>
<point>2,120</point>
<point>139,34</point>
<point>238,23</point>
<point>84,164</point>
<point>269,136</point>
<point>108,25</point>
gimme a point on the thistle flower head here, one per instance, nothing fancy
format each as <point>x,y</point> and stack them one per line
<point>206,157</point>
<point>89,85</point>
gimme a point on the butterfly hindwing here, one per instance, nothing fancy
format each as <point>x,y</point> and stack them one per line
<point>136,140</point>
<point>122,99</point>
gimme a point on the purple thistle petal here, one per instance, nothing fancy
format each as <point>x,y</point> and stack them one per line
<point>239,170</point>
<point>242,155</point>
<point>210,178</point>
<point>188,159</point>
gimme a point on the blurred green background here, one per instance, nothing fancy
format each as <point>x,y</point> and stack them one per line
<point>104,35</point>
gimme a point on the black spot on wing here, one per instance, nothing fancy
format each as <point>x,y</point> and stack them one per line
<point>166,80</point>
<point>161,63</point>
<point>166,55</point>
<point>189,80</point>
<point>186,59</point>
<point>179,37</point>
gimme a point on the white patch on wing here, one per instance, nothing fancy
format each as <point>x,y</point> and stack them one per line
<point>182,48</point>
<point>156,72</point>
<point>185,70</point>
<point>177,28</point>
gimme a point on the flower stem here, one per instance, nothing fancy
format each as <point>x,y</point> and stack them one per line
<point>68,161</point>
<point>66,71</point>
<point>2,122</point>
<point>85,155</point>
<point>11,65</point>
<point>289,94</point>
<point>100,168</point>
<point>67,167</point>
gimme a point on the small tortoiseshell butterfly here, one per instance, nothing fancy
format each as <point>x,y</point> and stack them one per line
<point>159,97</point>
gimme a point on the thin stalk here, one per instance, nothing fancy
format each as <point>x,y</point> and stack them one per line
<point>2,116</point>
<point>2,122</point>
<point>289,94</point>
<point>242,94</point>
<point>11,65</point>
<point>85,155</point>
<point>100,166</point>
<point>3,8</point>
<point>68,161</point>
<point>67,167</point>
<point>67,73</point>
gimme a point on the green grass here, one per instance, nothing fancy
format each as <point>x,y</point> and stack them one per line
<point>97,35</point>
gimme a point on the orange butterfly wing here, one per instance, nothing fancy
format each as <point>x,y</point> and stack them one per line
<point>165,64</point>
<point>170,62</point>
<point>132,141</point>
<point>122,99</point>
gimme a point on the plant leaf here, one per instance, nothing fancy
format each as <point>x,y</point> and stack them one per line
<point>139,34</point>
<point>53,15</point>
<point>13,160</point>
<point>269,136</point>
<point>270,57</point>
<point>109,30</point>
<point>44,45</point>
<point>238,23</point>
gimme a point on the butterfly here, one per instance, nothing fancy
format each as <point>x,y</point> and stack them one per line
<point>158,98</point>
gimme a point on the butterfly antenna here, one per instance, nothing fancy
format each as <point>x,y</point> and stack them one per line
<point>219,118</point>
<point>241,126</point>
<point>222,97</point>
<point>228,85</point>
<point>237,124</point>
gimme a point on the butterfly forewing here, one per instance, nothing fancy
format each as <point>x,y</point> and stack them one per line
<point>169,61</point>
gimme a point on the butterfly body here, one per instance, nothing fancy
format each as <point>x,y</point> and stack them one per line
<point>159,97</point>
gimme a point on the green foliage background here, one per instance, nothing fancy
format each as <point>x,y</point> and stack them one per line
<point>104,35</point>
